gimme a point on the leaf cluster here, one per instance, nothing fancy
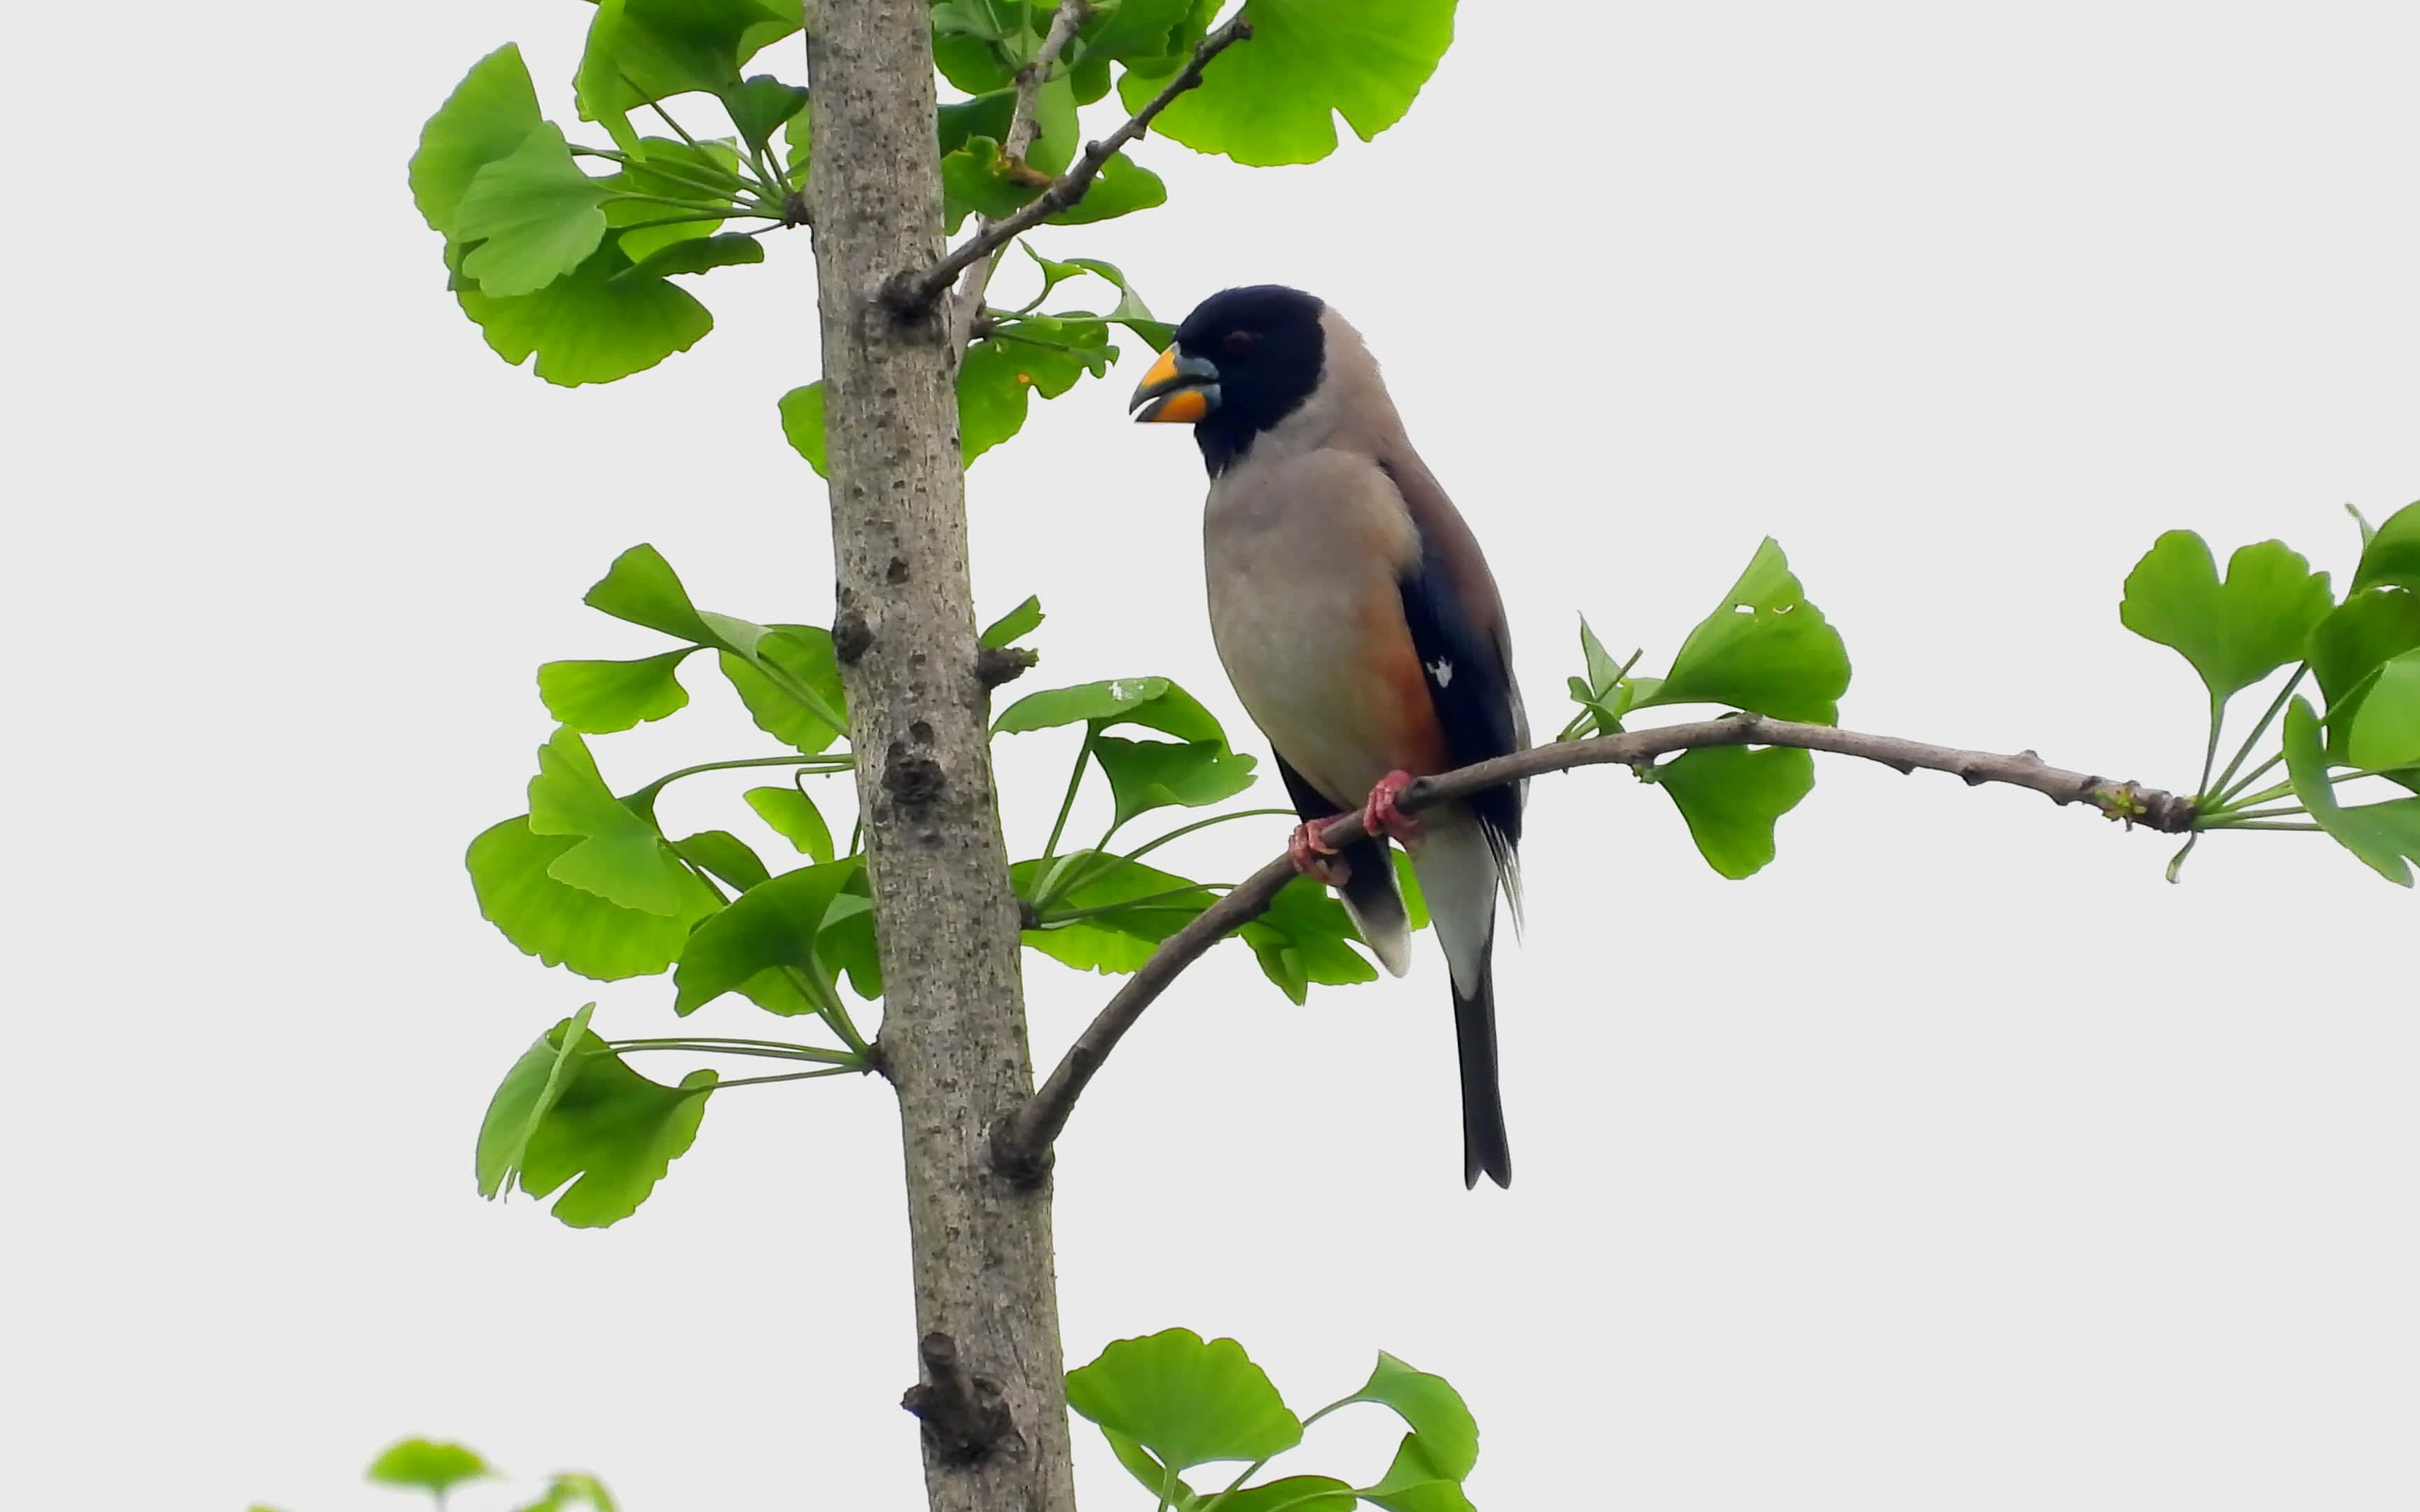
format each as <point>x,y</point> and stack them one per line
<point>589,879</point>
<point>1765,649</point>
<point>419,1464</point>
<point>2271,612</point>
<point>1171,1402</point>
<point>576,268</point>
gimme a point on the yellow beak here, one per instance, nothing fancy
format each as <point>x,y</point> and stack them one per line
<point>1178,389</point>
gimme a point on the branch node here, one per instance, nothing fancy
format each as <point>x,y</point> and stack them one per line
<point>965,1418</point>
<point>994,665</point>
<point>1027,1170</point>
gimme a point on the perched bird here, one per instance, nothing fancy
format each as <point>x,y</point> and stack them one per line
<point>1363,634</point>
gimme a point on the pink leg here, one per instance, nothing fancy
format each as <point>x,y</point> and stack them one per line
<point>1380,816</point>
<point>1315,857</point>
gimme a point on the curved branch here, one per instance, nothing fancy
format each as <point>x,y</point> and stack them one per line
<point>1070,16</point>
<point>912,292</point>
<point>1020,1144</point>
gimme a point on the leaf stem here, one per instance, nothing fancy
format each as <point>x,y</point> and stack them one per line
<point>828,1007</point>
<point>2277,705</point>
<point>1144,902</point>
<point>721,212</point>
<point>2249,777</point>
<point>785,1076</point>
<point>766,1049</point>
<point>2278,790</point>
<point>2210,753</point>
<point>826,764</point>
<point>2272,824</point>
<point>1075,780</point>
<point>2236,816</point>
<point>1182,830</point>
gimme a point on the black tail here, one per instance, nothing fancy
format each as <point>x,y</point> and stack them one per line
<point>1485,1148</point>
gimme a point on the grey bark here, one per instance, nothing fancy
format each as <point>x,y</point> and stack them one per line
<point>990,1391</point>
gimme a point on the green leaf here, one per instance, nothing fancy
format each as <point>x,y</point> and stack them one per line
<point>699,255</point>
<point>1034,355</point>
<point>2385,734</point>
<point>614,1130</point>
<point>971,64</point>
<point>760,105</point>
<point>2383,835</point>
<point>1431,1407</point>
<point>1135,31</point>
<point>1187,1401</point>
<point>567,1490</point>
<point>1131,312</point>
<point>591,326</point>
<point>800,135</point>
<point>1294,1493</point>
<point>1121,188</point>
<point>669,169</point>
<point>484,119</point>
<point>1273,100</point>
<point>848,942</point>
<point>2348,652</point>
<point>2236,633</point>
<point>566,926</point>
<point>804,653</point>
<point>1154,774</point>
<point>647,49</point>
<point>598,698</point>
<point>620,857</point>
<point>1304,939</point>
<point>533,214</point>
<point>1732,797</point>
<point>642,588</point>
<point>793,816</point>
<point>1154,702</point>
<point>987,115</point>
<point>528,1093</point>
<point>726,855</point>
<point>1413,1483</point>
<point>1117,941</point>
<point>436,1468</point>
<point>1020,621</point>
<point>1765,650</point>
<point>767,927</point>
<point>977,178</point>
<point>1054,126</point>
<point>2391,552</point>
<point>802,423</point>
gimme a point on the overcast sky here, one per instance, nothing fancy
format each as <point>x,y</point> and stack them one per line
<point>1956,1161</point>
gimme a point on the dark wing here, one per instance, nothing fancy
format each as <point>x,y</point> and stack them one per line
<point>1457,624</point>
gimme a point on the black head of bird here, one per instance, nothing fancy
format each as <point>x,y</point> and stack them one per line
<point>1241,362</point>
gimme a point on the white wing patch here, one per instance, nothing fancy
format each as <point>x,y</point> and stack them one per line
<point>1441,670</point>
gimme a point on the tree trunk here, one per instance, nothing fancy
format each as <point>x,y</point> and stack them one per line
<point>952,1042</point>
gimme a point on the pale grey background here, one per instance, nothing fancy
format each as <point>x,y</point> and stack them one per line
<point>1956,1161</point>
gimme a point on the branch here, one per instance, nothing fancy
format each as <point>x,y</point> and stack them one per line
<point>1070,15</point>
<point>1021,1143</point>
<point>912,292</point>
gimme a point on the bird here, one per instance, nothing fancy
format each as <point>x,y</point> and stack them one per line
<point>1364,635</point>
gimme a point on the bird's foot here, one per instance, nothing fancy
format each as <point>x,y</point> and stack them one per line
<point>1315,857</point>
<point>1381,818</point>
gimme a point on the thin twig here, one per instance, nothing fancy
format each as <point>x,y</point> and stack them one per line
<point>1021,1143</point>
<point>910,292</point>
<point>1070,15</point>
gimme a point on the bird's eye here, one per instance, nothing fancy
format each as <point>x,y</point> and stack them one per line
<point>1240,342</point>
